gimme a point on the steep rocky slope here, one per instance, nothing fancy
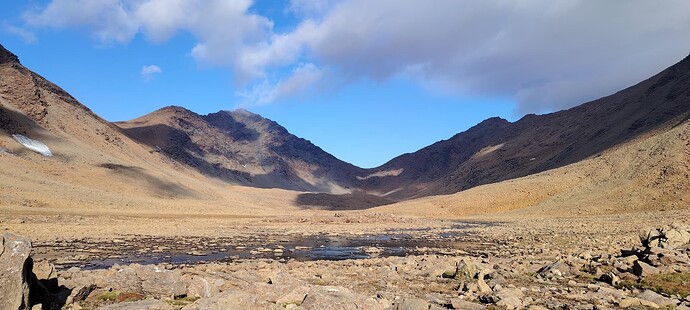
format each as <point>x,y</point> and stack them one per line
<point>94,167</point>
<point>629,147</point>
<point>497,150</point>
<point>650,172</point>
<point>243,148</point>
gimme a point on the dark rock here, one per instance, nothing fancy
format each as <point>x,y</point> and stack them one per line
<point>7,56</point>
<point>82,293</point>
<point>610,278</point>
<point>642,269</point>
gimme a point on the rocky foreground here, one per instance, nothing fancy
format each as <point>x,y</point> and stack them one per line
<point>527,271</point>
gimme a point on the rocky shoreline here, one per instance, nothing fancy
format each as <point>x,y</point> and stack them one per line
<point>513,273</point>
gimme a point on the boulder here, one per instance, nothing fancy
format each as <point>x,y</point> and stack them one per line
<point>636,303</point>
<point>658,299</point>
<point>510,298</point>
<point>465,270</point>
<point>458,303</point>
<point>44,270</point>
<point>335,297</point>
<point>199,286</point>
<point>409,304</point>
<point>234,299</point>
<point>15,272</point>
<point>642,269</point>
<point>79,294</point>
<point>482,286</point>
<point>610,278</point>
<point>667,237</point>
<point>146,304</point>
<point>162,282</point>
<point>555,270</point>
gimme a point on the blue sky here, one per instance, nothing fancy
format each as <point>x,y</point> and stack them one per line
<point>366,81</point>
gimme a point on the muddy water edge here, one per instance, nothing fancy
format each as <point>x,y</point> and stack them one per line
<point>99,254</point>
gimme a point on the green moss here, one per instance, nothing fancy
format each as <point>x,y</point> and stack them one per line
<point>118,296</point>
<point>183,301</point>
<point>667,283</point>
<point>110,296</point>
<point>286,304</point>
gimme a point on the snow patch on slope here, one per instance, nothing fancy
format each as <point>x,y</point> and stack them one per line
<point>34,145</point>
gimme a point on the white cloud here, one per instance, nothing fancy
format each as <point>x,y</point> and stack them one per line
<point>545,54</point>
<point>26,35</point>
<point>108,20</point>
<point>304,77</point>
<point>147,72</point>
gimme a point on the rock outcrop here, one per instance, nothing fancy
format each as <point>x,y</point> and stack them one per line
<point>15,271</point>
<point>667,237</point>
<point>7,56</point>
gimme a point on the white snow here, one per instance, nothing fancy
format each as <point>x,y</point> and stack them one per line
<point>34,145</point>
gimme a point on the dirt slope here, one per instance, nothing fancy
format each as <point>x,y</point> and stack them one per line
<point>497,150</point>
<point>95,167</point>
<point>627,151</point>
<point>647,173</point>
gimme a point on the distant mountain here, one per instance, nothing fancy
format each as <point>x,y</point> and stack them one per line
<point>176,153</point>
<point>92,161</point>
<point>243,148</point>
<point>497,150</point>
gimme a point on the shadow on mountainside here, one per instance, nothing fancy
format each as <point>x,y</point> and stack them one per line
<point>497,150</point>
<point>354,201</point>
<point>163,188</point>
<point>178,146</point>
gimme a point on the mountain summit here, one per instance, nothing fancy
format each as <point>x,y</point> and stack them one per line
<point>241,147</point>
<point>7,56</point>
<point>496,150</point>
<point>167,152</point>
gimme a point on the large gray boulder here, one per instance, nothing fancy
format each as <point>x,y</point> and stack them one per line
<point>15,272</point>
<point>666,237</point>
<point>337,298</point>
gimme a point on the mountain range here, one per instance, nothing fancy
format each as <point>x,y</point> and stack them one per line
<point>632,140</point>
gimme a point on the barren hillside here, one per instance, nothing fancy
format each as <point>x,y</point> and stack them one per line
<point>241,148</point>
<point>627,151</point>
<point>95,167</point>
<point>497,150</point>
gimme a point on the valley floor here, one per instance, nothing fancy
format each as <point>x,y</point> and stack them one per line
<point>507,260</point>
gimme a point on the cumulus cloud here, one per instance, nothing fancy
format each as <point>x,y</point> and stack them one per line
<point>147,72</point>
<point>545,54</point>
<point>108,20</point>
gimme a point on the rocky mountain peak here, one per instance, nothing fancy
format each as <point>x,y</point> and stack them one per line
<point>7,56</point>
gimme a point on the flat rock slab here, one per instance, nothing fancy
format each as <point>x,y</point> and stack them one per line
<point>15,272</point>
<point>147,304</point>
